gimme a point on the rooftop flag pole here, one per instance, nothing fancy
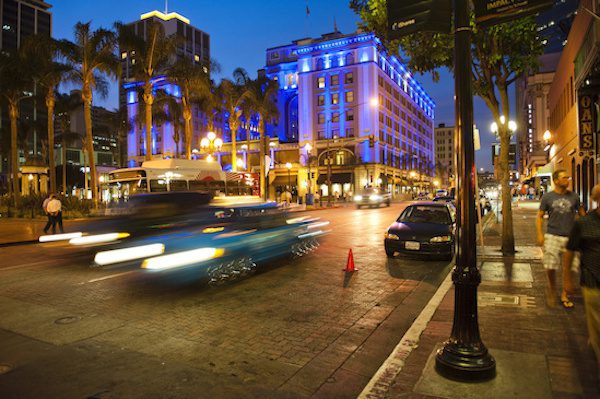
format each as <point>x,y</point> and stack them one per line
<point>166,6</point>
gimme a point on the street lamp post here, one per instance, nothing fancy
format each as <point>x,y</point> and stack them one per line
<point>464,356</point>
<point>211,144</point>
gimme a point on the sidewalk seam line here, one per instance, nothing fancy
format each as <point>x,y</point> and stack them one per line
<point>391,367</point>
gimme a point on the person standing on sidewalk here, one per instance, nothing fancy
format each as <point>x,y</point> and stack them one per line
<point>562,207</point>
<point>54,208</point>
<point>585,238</point>
<point>45,208</point>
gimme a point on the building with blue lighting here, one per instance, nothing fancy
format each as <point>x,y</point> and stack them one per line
<point>352,114</point>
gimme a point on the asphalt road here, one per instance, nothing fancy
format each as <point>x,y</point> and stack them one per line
<point>298,328</point>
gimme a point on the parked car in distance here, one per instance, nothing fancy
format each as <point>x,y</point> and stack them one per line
<point>441,192</point>
<point>372,197</point>
<point>444,199</point>
<point>426,228</point>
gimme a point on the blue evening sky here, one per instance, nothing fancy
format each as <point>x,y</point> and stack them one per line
<point>241,31</point>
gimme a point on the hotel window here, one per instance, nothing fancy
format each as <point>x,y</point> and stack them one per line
<point>335,133</point>
<point>335,117</point>
<point>321,135</point>
<point>349,78</point>
<point>335,98</point>
<point>321,118</point>
<point>381,135</point>
<point>349,96</point>
<point>349,115</point>
<point>196,58</point>
<point>321,100</point>
<point>381,119</point>
<point>320,64</point>
<point>349,59</point>
<point>380,81</point>
<point>349,132</point>
<point>335,80</point>
<point>274,55</point>
<point>321,82</point>
<point>123,55</point>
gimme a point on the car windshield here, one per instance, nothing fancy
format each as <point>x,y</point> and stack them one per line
<point>425,214</point>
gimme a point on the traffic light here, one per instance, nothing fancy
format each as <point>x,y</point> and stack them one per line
<point>371,141</point>
<point>406,17</point>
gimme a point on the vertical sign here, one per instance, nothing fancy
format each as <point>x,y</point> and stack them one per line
<point>587,122</point>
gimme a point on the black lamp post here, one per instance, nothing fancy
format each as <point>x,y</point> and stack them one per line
<point>464,356</point>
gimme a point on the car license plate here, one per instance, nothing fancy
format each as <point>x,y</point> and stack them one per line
<point>412,245</point>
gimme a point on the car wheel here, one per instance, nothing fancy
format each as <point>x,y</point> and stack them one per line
<point>389,252</point>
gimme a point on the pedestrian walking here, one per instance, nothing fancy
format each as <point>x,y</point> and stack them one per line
<point>45,208</point>
<point>562,206</point>
<point>317,198</point>
<point>585,238</point>
<point>54,209</point>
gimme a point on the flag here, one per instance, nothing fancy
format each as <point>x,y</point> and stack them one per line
<point>307,10</point>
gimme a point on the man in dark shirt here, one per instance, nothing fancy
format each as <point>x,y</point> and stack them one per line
<point>585,238</point>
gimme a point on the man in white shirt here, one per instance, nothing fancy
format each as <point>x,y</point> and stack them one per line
<point>45,207</point>
<point>54,209</point>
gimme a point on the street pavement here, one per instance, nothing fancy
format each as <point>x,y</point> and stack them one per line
<point>298,328</point>
<point>540,352</point>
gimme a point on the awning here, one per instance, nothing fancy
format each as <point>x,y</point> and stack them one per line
<point>283,181</point>
<point>339,178</point>
<point>545,170</point>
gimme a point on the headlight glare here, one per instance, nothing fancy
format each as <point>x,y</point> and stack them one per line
<point>358,198</point>
<point>391,236</point>
<point>441,239</point>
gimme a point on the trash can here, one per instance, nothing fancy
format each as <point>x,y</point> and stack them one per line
<point>310,199</point>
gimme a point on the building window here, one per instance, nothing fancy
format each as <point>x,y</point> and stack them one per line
<point>335,79</point>
<point>380,81</point>
<point>320,64</point>
<point>335,98</point>
<point>349,96</point>
<point>321,100</point>
<point>196,58</point>
<point>349,59</point>
<point>321,82</point>
<point>349,115</point>
<point>321,118</point>
<point>274,55</point>
<point>123,55</point>
<point>321,135</point>
<point>335,117</point>
<point>381,118</point>
<point>349,78</point>
<point>335,133</point>
<point>349,132</point>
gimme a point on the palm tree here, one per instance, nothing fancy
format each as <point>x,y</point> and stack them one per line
<point>171,111</point>
<point>152,57</point>
<point>261,100</point>
<point>232,96</point>
<point>16,84</point>
<point>92,56</point>
<point>48,73</point>
<point>65,104</point>
<point>195,87</point>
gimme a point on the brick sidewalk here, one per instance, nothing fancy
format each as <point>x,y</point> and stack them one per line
<point>540,352</point>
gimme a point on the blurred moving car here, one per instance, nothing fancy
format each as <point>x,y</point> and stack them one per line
<point>425,229</point>
<point>372,197</point>
<point>444,199</point>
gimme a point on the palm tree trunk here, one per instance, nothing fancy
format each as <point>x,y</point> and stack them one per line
<point>64,166</point>
<point>233,128</point>
<point>187,117</point>
<point>50,102</point>
<point>508,237</point>
<point>148,100</point>
<point>87,112</point>
<point>261,154</point>
<point>13,112</point>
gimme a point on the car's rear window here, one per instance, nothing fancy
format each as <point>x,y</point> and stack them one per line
<point>425,214</point>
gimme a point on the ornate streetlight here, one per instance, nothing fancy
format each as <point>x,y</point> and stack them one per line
<point>211,144</point>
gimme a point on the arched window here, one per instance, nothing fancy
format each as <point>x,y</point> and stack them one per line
<point>349,59</point>
<point>320,64</point>
<point>334,62</point>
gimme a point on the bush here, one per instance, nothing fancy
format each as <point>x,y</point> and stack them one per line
<point>29,206</point>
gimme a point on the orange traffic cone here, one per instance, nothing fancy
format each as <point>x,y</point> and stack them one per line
<point>350,263</point>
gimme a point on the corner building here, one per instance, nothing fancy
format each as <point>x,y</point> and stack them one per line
<point>355,114</point>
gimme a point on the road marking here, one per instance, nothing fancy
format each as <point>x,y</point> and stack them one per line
<point>381,381</point>
<point>110,276</point>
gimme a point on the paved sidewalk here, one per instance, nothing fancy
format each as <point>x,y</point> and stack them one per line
<point>540,352</point>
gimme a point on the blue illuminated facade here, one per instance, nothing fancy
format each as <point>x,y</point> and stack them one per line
<point>365,119</point>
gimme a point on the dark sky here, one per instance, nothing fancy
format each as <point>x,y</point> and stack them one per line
<point>241,31</point>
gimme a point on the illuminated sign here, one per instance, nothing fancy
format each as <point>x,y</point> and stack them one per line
<point>492,12</point>
<point>587,122</point>
<point>165,17</point>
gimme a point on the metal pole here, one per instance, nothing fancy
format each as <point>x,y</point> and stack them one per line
<point>464,356</point>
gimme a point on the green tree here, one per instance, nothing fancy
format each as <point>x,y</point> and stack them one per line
<point>195,87</point>
<point>92,57</point>
<point>17,85</point>
<point>48,72</point>
<point>500,54</point>
<point>64,105</point>
<point>152,56</point>
<point>260,97</point>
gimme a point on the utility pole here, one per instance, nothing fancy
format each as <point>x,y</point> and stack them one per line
<point>464,356</point>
